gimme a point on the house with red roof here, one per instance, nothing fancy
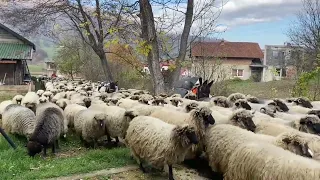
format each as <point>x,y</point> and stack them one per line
<point>214,60</point>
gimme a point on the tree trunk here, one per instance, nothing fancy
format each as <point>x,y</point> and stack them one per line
<point>183,43</point>
<point>150,36</point>
<point>105,65</point>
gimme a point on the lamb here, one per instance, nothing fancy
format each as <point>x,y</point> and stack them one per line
<point>260,161</point>
<point>199,118</point>
<point>90,125</point>
<point>159,143</point>
<point>19,120</point>
<point>17,99</point>
<point>235,96</point>
<point>241,118</point>
<point>30,101</point>
<point>47,131</point>
<point>70,112</point>
<point>117,120</point>
<point>221,141</point>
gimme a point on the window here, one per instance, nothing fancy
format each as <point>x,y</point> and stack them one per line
<point>275,53</point>
<point>237,72</point>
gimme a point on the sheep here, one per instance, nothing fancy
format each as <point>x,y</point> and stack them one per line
<point>252,99</point>
<point>144,110</point>
<point>4,104</point>
<point>222,139</point>
<point>70,112</point>
<point>240,117</point>
<point>221,101</point>
<point>300,143</point>
<point>48,94</point>
<point>176,101</point>
<point>117,120</point>
<point>303,102</point>
<point>242,103</point>
<point>260,161</point>
<point>199,118</point>
<point>40,92</point>
<point>30,101</point>
<point>90,125</point>
<point>58,96</point>
<point>134,97</point>
<point>235,96</point>
<point>146,99</point>
<point>176,96</point>
<point>127,103</point>
<point>47,131</point>
<point>19,120</point>
<point>17,99</point>
<point>81,100</point>
<point>159,143</point>
<point>62,103</point>
<point>42,99</point>
<point>63,120</point>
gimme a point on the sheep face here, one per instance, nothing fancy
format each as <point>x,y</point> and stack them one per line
<point>315,112</point>
<point>310,124</point>
<point>303,102</point>
<point>186,135</point>
<point>241,103</point>
<point>62,104</point>
<point>99,120</point>
<point>191,96</point>
<point>158,102</point>
<point>268,111</point>
<point>130,115</point>
<point>87,102</point>
<point>243,119</point>
<point>176,102</point>
<point>34,148</point>
<point>297,147</point>
<point>135,97</point>
<point>31,106</point>
<point>43,100</point>
<point>191,106</point>
<point>204,114</point>
<point>252,99</point>
<point>221,101</point>
<point>280,105</point>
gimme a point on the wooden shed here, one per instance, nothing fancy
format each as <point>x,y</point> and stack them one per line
<point>15,51</point>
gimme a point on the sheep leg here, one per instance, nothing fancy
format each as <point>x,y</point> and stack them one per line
<point>117,140</point>
<point>44,151</point>
<point>57,144</point>
<point>141,167</point>
<point>54,147</point>
<point>170,173</point>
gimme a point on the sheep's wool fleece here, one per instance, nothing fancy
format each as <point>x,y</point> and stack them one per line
<point>30,97</point>
<point>63,120</point>
<point>116,121</point>
<point>221,140</point>
<point>83,124</point>
<point>18,120</point>
<point>262,161</point>
<point>70,112</point>
<point>272,129</point>
<point>4,104</point>
<point>152,140</point>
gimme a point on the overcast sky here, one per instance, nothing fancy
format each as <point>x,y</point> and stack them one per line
<point>262,21</point>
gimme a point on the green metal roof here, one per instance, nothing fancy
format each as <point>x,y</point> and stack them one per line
<point>15,51</point>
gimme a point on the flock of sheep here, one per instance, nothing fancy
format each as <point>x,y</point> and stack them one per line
<point>241,136</point>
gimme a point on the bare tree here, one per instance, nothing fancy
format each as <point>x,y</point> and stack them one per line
<point>305,31</point>
<point>95,21</point>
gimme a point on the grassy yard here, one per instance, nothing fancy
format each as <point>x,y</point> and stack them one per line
<point>6,96</point>
<point>72,159</point>
<point>267,90</point>
<point>35,68</point>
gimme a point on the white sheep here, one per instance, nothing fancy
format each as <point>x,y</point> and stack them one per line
<point>222,139</point>
<point>261,161</point>
<point>235,96</point>
<point>17,99</point>
<point>19,120</point>
<point>40,92</point>
<point>159,143</point>
<point>70,112</point>
<point>199,118</point>
<point>30,101</point>
<point>127,103</point>
<point>63,103</point>
<point>117,120</point>
<point>4,104</point>
<point>43,99</point>
<point>90,125</point>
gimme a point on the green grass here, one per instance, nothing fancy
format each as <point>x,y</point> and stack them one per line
<point>16,164</point>
<point>272,89</point>
<point>35,68</point>
<point>6,96</point>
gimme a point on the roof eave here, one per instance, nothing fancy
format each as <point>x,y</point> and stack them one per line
<point>18,36</point>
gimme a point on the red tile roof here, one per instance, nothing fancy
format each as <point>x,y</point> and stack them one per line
<point>227,49</point>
